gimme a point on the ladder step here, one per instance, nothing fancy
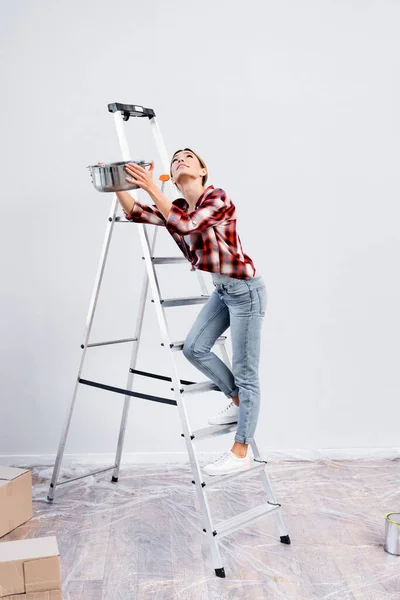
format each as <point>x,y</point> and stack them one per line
<point>187,386</point>
<point>184,301</point>
<point>168,260</point>
<point>198,388</point>
<point>239,521</point>
<point>175,346</point>
<point>213,480</point>
<point>214,430</point>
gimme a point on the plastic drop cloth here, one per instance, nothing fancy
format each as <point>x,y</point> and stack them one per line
<point>142,538</point>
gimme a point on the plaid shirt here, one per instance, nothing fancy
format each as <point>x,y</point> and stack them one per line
<point>214,243</point>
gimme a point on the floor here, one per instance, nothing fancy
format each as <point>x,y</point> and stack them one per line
<point>141,539</point>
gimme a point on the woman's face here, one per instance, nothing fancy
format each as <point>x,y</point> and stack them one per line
<point>184,166</point>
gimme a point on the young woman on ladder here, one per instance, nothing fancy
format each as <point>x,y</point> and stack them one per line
<point>203,224</point>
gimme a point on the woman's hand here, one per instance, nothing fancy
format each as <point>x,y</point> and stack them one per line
<point>142,177</point>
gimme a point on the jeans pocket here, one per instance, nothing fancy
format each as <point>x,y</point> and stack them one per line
<point>262,299</point>
<point>236,288</point>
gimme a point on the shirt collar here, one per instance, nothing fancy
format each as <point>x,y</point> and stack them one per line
<point>185,204</point>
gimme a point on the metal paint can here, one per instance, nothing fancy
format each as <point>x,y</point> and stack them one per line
<point>392,533</point>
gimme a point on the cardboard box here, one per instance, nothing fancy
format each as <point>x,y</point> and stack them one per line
<point>52,595</point>
<point>30,569</point>
<point>15,498</point>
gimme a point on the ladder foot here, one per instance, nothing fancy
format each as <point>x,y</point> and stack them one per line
<point>285,539</point>
<point>114,479</point>
<point>220,572</point>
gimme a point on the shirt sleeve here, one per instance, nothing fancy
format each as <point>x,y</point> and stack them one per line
<point>215,209</point>
<point>142,213</point>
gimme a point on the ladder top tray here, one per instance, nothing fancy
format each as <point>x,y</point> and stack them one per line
<point>131,110</point>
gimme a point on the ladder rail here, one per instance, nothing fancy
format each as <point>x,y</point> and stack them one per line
<point>166,339</point>
<point>269,492</point>
<point>166,166</point>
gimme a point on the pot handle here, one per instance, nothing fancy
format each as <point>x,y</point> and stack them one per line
<point>91,166</point>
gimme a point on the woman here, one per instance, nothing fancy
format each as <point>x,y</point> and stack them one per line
<point>203,224</point>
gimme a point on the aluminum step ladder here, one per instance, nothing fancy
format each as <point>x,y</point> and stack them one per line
<point>181,388</point>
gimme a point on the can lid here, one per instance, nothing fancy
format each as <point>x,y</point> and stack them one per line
<point>393,518</point>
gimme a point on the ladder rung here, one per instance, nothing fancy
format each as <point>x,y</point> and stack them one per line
<point>87,475</point>
<point>167,260</point>
<point>198,388</point>
<point>240,521</point>
<point>112,342</point>
<point>214,430</point>
<point>111,388</point>
<point>214,480</point>
<point>184,301</point>
<point>175,346</point>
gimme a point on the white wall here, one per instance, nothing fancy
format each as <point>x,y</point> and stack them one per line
<point>295,108</point>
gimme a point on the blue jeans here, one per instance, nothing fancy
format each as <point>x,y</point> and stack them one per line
<point>240,304</point>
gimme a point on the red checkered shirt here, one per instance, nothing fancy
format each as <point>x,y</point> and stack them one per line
<point>214,243</point>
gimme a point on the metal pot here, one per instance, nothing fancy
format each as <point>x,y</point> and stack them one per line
<point>111,177</point>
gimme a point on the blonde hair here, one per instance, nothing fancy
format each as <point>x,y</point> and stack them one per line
<point>201,161</point>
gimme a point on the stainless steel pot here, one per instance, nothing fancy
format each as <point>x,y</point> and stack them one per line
<point>111,177</point>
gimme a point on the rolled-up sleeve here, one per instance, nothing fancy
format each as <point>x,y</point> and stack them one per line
<point>215,209</point>
<point>142,213</point>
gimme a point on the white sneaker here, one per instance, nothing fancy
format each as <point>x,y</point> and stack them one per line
<point>227,415</point>
<point>227,463</point>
